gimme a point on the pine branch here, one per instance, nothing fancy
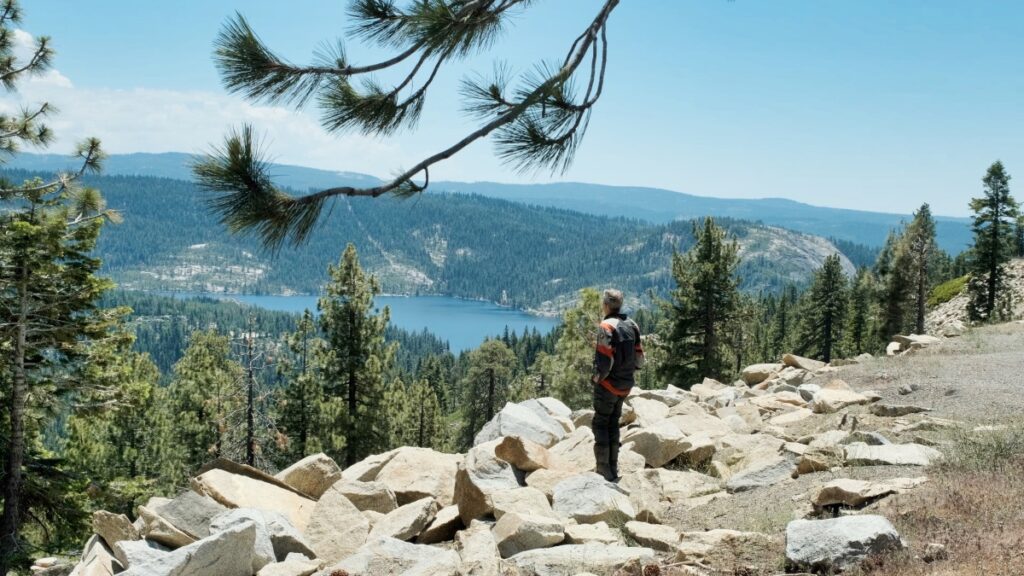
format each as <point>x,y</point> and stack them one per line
<point>247,199</point>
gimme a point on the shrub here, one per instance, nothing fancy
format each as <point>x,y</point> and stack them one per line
<point>947,291</point>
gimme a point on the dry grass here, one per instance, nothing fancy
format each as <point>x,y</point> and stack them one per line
<point>973,505</point>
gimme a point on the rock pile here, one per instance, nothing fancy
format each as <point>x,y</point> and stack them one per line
<point>950,318</point>
<point>524,500</point>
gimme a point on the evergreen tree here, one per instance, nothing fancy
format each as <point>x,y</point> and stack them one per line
<point>572,365</point>
<point>702,305</point>
<point>204,396</point>
<point>859,333</point>
<point>920,250</point>
<point>895,287</point>
<point>355,361</point>
<point>423,422</point>
<point>301,406</point>
<point>782,327</point>
<point>995,215</point>
<point>827,302</point>
<point>485,386</point>
<point>1019,236</point>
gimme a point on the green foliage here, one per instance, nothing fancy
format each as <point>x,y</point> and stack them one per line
<point>355,361</point>
<point>203,395</point>
<point>919,244</point>
<point>995,218</point>
<point>570,368</point>
<point>485,387</point>
<point>947,291</point>
<point>825,312</point>
<point>703,304</point>
<point>860,326</point>
<point>301,404</point>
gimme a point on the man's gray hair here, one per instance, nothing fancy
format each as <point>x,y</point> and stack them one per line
<point>612,298</point>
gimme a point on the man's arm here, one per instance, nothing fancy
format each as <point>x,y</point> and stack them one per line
<point>641,360</point>
<point>604,356</point>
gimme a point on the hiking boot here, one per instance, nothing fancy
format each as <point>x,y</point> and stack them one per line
<point>613,462</point>
<point>603,467</point>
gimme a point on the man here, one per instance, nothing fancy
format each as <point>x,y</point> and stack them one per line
<point>619,354</point>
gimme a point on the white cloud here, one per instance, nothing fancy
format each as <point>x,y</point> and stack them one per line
<point>153,120</point>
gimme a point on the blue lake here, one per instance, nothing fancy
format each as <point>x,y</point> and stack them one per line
<point>465,324</point>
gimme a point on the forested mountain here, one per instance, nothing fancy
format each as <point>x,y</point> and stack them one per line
<point>461,245</point>
<point>650,204</point>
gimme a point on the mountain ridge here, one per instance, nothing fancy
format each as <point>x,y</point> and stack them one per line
<point>656,205</point>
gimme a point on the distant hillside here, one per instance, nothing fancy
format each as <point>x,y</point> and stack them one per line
<point>651,204</point>
<point>461,245</point>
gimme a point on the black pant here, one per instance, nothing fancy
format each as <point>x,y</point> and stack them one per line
<point>607,410</point>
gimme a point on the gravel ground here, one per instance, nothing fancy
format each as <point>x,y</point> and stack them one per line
<point>976,379</point>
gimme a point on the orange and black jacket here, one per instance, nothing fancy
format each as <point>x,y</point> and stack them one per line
<point>619,354</point>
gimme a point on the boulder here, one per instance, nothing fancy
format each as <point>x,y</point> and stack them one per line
<point>654,536</point>
<point>375,496</point>
<point>285,539</point>
<point>551,408</point>
<point>444,526</point>
<point>519,420</point>
<point>392,556</point>
<point>826,439</point>
<point>524,454</point>
<point>191,513</point>
<point>766,472</point>
<point>752,375</point>
<point>916,341</point>
<point>262,549</point>
<point>791,417</point>
<point>312,475</point>
<point>575,452</point>
<point>238,491</point>
<point>97,560</point>
<point>859,454</point>
<point>895,410</point>
<point>367,469</point>
<point>480,475</point>
<point>478,550</point>
<point>820,459</point>
<point>869,438</point>
<point>137,552</point>
<point>645,495</point>
<point>113,528</point>
<point>834,399</point>
<point>692,419</point>
<point>578,558</point>
<point>546,480</point>
<point>648,411</point>
<point>156,528</point>
<point>515,533</point>
<point>226,553</point>
<point>859,493</point>
<point>892,349</point>
<point>598,533</point>
<point>293,565</point>
<point>414,473</point>
<point>698,450</point>
<point>659,443</point>
<point>807,391</point>
<point>802,363</point>
<point>582,418</point>
<point>526,500</point>
<point>590,498</point>
<point>405,522</point>
<point>838,544</point>
<point>676,486</point>
<point>721,547</point>
<point>336,527</point>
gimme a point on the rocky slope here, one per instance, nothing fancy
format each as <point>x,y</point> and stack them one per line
<point>791,437</point>
<point>950,318</point>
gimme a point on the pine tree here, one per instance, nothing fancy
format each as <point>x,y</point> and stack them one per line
<point>302,403</point>
<point>1019,236</point>
<point>859,333</point>
<point>355,361</point>
<point>538,120</point>
<point>572,365</point>
<point>485,387</point>
<point>704,302</point>
<point>827,302</point>
<point>995,215</point>
<point>920,248</point>
<point>48,287</point>
<point>204,395</point>
<point>423,422</point>
<point>782,327</point>
<point>895,287</point>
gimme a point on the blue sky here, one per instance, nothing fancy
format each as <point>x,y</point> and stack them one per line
<point>868,104</point>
